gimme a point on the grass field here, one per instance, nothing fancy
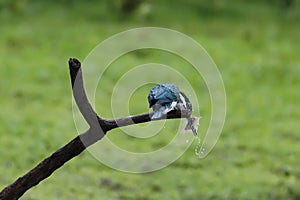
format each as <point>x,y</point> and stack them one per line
<point>256,47</point>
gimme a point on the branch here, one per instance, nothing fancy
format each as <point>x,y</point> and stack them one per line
<point>97,130</point>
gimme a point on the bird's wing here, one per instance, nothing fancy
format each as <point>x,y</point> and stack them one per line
<point>165,95</point>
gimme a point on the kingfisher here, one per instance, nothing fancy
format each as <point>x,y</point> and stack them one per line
<point>166,97</point>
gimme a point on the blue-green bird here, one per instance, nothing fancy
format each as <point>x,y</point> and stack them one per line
<point>165,97</point>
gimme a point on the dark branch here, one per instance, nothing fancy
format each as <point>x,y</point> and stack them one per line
<point>80,96</point>
<point>142,118</point>
<point>97,130</point>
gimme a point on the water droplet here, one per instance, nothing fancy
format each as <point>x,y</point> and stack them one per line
<point>187,141</point>
<point>198,149</point>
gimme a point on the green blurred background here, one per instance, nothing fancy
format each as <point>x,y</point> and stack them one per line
<point>255,45</point>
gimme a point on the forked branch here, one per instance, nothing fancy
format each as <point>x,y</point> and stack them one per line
<point>98,128</point>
